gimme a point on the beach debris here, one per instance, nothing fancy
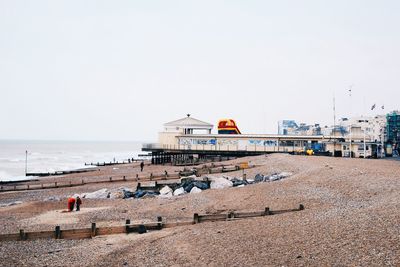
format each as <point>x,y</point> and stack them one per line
<point>220,183</point>
<point>10,204</point>
<point>195,190</point>
<point>179,191</point>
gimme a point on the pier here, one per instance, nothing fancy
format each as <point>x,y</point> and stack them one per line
<point>194,148</point>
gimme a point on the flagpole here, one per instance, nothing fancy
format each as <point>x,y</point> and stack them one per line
<point>334,125</point>
<point>351,150</point>
<point>365,146</point>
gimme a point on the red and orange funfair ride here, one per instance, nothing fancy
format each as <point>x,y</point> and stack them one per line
<point>227,126</point>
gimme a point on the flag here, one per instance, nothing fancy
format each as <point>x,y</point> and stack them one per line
<point>373,106</point>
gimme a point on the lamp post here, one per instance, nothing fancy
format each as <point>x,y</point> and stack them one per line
<point>26,162</point>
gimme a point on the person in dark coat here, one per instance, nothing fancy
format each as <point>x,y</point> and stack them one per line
<point>141,166</point>
<point>78,203</point>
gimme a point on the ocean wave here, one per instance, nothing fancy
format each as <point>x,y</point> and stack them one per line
<point>14,160</point>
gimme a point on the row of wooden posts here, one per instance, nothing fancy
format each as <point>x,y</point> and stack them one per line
<point>93,231</point>
<point>152,177</point>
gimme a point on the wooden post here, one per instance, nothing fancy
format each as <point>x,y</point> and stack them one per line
<point>301,207</point>
<point>110,179</point>
<point>142,229</point>
<point>82,181</point>
<point>15,187</point>
<point>55,184</point>
<point>159,220</point>
<point>127,223</point>
<point>196,218</point>
<point>93,230</point>
<point>137,177</point>
<point>27,186</point>
<point>267,211</point>
<point>124,178</point>
<point>70,183</point>
<point>151,176</point>
<point>57,232</point>
<point>42,186</point>
<point>22,235</point>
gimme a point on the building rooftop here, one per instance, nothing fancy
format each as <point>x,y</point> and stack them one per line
<point>189,122</point>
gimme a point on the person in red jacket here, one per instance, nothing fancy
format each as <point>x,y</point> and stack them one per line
<point>71,204</point>
<point>78,203</point>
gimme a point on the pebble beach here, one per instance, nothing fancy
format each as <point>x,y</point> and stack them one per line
<point>351,218</point>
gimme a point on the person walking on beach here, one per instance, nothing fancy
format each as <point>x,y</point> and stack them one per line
<point>78,203</point>
<point>141,166</point>
<point>71,204</point>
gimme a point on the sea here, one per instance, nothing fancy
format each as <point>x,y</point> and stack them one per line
<point>51,156</point>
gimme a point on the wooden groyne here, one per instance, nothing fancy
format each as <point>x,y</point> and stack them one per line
<point>128,228</point>
<point>112,163</point>
<point>57,173</point>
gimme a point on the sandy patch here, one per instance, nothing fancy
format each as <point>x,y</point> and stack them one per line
<point>57,217</point>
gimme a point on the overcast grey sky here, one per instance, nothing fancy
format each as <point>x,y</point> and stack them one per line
<point>117,70</point>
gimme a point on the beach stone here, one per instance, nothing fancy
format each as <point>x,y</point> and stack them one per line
<point>195,190</point>
<point>238,182</point>
<point>179,191</point>
<point>139,194</point>
<point>102,193</point>
<point>259,178</point>
<point>117,195</point>
<point>220,183</point>
<point>166,190</point>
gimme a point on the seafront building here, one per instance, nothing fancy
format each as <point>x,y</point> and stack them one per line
<point>190,139</point>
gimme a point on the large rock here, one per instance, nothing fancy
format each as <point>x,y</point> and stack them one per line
<point>179,191</point>
<point>238,182</point>
<point>102,193</point>
<point>195,190</point>
<point>220,183</point>
<point>166,191</point>
<point>259,178</point>
<point>117,194</point>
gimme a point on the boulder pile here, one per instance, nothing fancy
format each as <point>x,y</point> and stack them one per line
<point>187,185</point>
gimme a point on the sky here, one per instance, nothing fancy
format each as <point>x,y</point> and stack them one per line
<point>117,70</point>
